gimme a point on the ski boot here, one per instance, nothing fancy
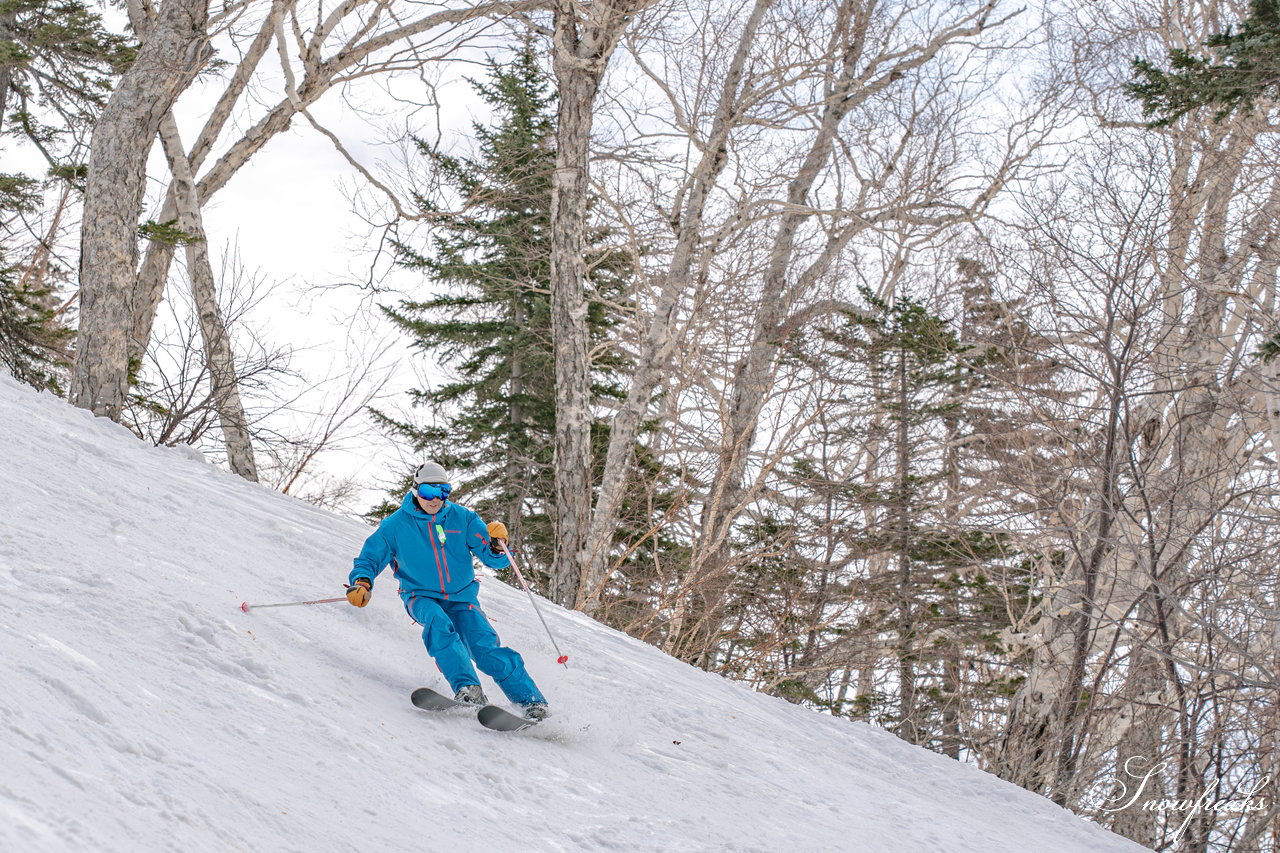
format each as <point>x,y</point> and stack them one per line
<point>536,711</point>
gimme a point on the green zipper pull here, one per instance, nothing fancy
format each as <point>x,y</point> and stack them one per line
<point>440,533</point>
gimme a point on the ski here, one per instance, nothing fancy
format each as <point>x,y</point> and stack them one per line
<point>429,700</point>
<point>490,716</point>
<point>502,720</point>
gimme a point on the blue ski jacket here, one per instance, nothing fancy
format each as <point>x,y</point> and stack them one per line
<point>429,554</point>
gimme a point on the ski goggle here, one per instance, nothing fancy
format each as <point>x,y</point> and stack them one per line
<point>433,491</point>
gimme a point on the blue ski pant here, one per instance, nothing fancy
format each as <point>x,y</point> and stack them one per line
<point>457,632</point>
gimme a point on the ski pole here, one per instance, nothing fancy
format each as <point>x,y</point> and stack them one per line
<point>562,659</point>
<point>246,606</point>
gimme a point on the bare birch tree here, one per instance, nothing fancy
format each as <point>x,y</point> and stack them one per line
<point>173,50</point>
<point>584,38</point>
<point>854,78</point>
<point>661,337</point>
<point>354,41</point>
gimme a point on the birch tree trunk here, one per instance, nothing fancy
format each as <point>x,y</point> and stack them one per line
<point>1142,745</point>
<point>218,355</point>
<point>171,53</point>
<point>584,39</point>
<point>578,83</point>
<point>1041,742</point>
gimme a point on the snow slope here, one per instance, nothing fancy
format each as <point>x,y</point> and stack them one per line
<point>141,710</point>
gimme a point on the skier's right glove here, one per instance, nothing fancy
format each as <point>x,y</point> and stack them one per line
<point>358,593</point>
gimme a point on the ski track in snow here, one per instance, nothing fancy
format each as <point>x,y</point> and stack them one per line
<point>143,711</point>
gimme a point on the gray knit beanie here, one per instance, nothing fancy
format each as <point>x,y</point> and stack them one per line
<point>430,472</point>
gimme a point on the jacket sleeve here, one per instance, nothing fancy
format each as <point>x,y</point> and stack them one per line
<point>478,542</point>
<point>374,556</point>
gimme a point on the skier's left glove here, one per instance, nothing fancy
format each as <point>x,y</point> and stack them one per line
<point>497,537</point>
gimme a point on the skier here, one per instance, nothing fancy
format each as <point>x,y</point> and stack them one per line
<point>429,543</point>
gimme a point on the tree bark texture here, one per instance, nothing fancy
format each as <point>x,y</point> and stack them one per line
<point>584,40</point>
<point>577,90</point>
<point>171,53</point>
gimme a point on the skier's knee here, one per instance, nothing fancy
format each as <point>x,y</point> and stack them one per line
<point>497,663</point>
<point>438,637</point>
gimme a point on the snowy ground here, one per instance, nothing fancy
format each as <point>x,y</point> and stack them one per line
<point>141,710</point>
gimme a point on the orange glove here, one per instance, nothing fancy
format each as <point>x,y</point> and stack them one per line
<point>358,593</point>
<point>497,536</point>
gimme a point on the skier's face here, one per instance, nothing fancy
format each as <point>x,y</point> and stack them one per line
<point>432,496</point>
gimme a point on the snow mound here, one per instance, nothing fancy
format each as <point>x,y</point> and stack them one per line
<point>143,710</point>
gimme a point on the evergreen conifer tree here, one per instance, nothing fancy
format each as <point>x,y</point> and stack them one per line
<point>57,63</point>
<point>487,322</point>
<point>1236,69</point>
<point>945,598</point>
<point>33,341</point>
<point>892,574</point>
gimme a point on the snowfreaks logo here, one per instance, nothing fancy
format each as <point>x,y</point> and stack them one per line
<point>1240,802</point>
